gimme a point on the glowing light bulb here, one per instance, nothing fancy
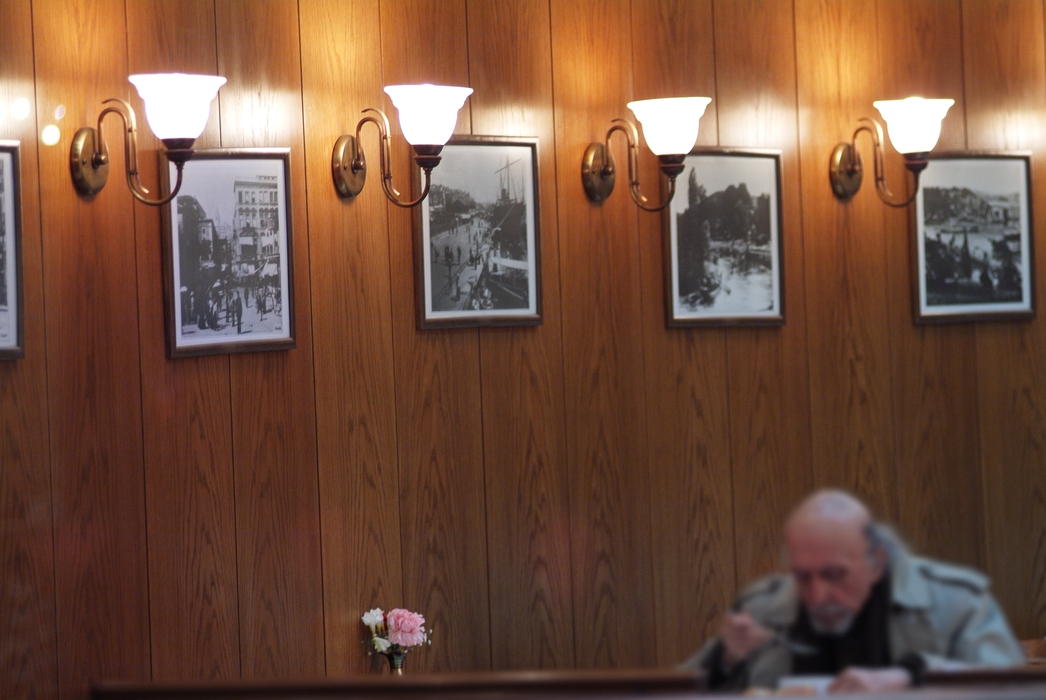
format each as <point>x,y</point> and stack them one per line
<point>914,123</point>
<point>670,124</point>
<point>177,105</point>
<point>428,113</point>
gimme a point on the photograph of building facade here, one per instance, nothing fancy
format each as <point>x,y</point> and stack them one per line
<point>230,270</point>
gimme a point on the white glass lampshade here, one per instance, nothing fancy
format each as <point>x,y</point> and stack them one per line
<point>914,123</point>
<point>428,113</point>
<point>670,124</point>
<point>177,105</point>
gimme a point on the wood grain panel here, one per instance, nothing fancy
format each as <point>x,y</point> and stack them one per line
<point>94,391</point>
<point>186,411</point>
<point>355,402</point>
<point>601,286</point>
<point>212,517</point>
<point>28,654</point>
<point>524,440</point>
<point>685,379</point>
<point>273,400</point>
<point>442,511</point>
<point>845,257</point>
<point>769,378</point>
<point>1005,72</point>
<point>935,399</point>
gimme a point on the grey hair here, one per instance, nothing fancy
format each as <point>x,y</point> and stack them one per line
<point>883,537</point>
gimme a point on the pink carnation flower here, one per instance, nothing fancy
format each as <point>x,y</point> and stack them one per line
<point>406,628</point>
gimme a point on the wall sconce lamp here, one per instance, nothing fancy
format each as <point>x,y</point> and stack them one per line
<point>914,124</point>
<point>176,106</point>
<point>670,126</point>
<point>428,114</point>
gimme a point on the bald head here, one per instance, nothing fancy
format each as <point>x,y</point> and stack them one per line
<point>832,560</point>
<point>830,509</point>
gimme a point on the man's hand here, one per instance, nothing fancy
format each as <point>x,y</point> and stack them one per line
<point>864,680</point>
<point>741,635</point>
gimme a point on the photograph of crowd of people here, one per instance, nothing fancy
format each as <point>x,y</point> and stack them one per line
<point>231,254</point>
<point>973,235</point>
<point>10,342</point>
<point>724,240</point>
<point>479,236</point>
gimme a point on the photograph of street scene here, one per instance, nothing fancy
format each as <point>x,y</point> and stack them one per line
<point>229,252</point>
<point>973,235</point>
<point>8,290</point>
<point>724,239</point>
<point>479,234</point>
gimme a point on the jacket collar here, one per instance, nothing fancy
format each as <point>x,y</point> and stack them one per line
<point>907,587</point>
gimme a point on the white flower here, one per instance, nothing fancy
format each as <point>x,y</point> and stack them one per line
<point>381,644</point>
<point>374,619</point>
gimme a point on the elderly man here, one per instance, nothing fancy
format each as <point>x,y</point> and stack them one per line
<point>857,606</point>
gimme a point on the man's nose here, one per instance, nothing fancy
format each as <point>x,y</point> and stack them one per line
<point>818,591</point>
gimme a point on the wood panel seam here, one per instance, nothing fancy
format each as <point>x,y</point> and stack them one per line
<point>312,348</point>
<point>562,336</point>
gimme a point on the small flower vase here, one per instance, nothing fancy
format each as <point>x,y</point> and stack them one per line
<point>396,659</point>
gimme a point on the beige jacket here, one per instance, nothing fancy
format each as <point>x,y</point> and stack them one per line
<point>942,612</point>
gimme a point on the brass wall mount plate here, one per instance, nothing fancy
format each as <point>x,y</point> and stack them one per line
<point>598,184</point>
<point>347,181</point>
<point>845,171</point>
<point>88,178</point>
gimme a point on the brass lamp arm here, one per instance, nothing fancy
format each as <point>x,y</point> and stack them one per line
<point>846,168</point>
<point>134,181</point>
<point>632,136</point>
<point>598,171</point>
<point>91,140</point>
<point>350,165</point>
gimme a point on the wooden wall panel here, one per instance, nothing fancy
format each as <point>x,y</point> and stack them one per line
<point>1006,105</point>
<point>769,381</point>
<point>845,256</point>
<point>355,402</point>
<point>442,511</point>
<point>602,350</point>
<point>935,398</point>
<point>689,440</point>
<point>585,493</point>
<point>94,391</point>
<point>186,411</point>
<point>528,518</point>
<point>273,400</point>
<point>28,655</point>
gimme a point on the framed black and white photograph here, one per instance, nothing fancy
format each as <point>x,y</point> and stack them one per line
<point>477,249</point>
<point>12,324</point>
<point>722,240</point>
<point>228,281</point>
<point>973,240</point>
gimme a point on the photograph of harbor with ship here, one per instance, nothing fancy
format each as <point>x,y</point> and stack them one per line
<point>479,235</point>
<point>973,230</point>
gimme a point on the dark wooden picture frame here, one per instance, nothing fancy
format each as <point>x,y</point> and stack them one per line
<point>972,249</point>
<point>483,202</point>
<point>228,253</point>
<point>722,240</point>
<point>12,319</point>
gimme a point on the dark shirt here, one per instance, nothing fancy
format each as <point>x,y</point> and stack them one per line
<point>865,644</point>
